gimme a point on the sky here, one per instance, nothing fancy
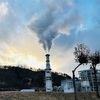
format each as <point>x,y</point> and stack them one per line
<point>31,28</point>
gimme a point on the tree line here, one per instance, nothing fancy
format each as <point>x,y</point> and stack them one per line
<point>16,78</point>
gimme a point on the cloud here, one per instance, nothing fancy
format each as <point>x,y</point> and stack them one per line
<point>17,43</point>
<point>3,9</point>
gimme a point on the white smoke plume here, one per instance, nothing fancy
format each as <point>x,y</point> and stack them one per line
<point>54,21</point>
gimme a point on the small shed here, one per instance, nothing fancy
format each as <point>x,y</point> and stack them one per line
<point>67,86</point>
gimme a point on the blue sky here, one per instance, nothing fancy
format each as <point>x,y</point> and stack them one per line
<point>29,28</point>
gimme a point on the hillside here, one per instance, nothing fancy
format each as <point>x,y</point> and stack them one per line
<point>12,78</point>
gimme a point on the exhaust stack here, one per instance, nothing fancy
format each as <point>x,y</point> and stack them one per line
<point>48,77</point>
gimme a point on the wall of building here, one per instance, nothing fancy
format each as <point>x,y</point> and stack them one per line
<point>88,80</point>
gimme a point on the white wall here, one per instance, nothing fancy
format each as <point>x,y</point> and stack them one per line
<point>67,88</point>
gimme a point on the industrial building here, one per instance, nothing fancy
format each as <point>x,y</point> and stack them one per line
<point>88,80</point>
<point>67,85</point>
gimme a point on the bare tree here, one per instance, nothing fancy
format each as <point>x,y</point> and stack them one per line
<point>95,59</point>
<point>81,56</point>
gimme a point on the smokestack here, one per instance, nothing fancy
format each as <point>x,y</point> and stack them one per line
<point>48,77</point>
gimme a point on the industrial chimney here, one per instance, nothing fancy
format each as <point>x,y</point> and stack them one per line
<point>48,78</point>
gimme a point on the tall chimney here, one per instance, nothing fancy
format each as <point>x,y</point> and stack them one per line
<point>48,78</point>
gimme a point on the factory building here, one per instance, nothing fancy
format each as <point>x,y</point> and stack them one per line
<point>88,79</point>
<point>67,85</point>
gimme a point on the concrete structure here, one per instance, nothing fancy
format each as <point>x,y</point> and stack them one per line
<point>48,78</point>
<point>88,80</point>
<point>67,86</point>
<point>28,90</point>
<point>85,86</point>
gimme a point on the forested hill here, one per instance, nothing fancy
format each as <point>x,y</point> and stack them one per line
<point>18,78</point>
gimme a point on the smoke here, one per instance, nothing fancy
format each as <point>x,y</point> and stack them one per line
<point>44,28</point>
<point>56,19</point>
